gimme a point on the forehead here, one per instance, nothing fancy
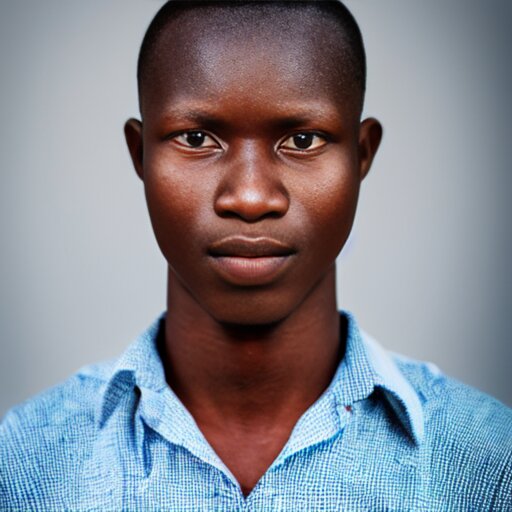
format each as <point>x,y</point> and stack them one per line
<point>211,51</point>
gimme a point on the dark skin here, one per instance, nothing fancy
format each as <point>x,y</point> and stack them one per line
<point>252,186</point>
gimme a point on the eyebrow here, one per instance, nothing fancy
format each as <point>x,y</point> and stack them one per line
<point>288,119</point>
<point>191,115</point>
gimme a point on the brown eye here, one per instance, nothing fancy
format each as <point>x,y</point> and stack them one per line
<point>196,140</point>
<point>303,142</point>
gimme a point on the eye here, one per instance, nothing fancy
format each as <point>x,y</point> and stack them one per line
<point>196,140</point>
<point>303,142</point>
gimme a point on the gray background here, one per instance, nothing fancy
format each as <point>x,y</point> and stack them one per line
<point>427,269</point>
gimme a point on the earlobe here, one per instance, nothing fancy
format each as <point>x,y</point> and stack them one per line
<point>370,135</point>
<point>133,135</point>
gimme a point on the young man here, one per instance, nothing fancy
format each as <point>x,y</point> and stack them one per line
<point>252,392</point>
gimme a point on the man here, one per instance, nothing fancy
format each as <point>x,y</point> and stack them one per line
<point>252,392</point>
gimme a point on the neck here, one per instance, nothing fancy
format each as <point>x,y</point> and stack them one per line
<point>251,375</point>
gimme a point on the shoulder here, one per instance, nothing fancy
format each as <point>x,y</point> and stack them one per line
<point>446,399</point>
<point>468,436</point>
<point>59,405</point>
<point>48,433</point>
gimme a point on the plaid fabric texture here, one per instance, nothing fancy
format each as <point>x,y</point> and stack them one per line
<point>389,434</point>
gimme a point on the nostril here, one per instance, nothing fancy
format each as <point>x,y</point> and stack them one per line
<point>248,218</point>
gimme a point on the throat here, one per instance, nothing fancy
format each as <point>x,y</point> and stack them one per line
<point>250,375</point>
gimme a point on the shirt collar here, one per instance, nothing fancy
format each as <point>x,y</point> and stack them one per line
<point>397,389</point>
<point>139,366</point>
<point>366,366</point>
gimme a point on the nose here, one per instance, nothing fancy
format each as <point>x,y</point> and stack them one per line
<point>251,188</point>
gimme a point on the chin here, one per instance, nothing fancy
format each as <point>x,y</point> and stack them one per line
<point>252,311</point>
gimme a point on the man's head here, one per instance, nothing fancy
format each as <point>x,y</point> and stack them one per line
<point>251,150</point>
<point>321,31</point>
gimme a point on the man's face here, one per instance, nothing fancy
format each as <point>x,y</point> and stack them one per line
<point>251,167</point>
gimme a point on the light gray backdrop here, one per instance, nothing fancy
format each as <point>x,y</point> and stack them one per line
<point>427,270</point>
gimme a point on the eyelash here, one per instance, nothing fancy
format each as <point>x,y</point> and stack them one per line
<point>321,141</point>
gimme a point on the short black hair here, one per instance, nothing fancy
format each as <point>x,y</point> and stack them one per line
<point>348,32</point>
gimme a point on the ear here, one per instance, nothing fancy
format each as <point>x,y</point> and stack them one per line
<point>133,135</point>
<point>370,135</point>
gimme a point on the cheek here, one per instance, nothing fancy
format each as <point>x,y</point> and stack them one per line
<point>330,201</point>
<point>175,199</point>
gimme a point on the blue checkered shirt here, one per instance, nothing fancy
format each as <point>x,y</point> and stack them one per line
<point>388,434</point>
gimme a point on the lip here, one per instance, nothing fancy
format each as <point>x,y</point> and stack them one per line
<point>247,247</point>
<point>250,261</point>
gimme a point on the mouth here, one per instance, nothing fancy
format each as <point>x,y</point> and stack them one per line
<point>250,261</point>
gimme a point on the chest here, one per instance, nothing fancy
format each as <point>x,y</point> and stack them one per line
<point>334,475</point>
<point>248,455</point>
